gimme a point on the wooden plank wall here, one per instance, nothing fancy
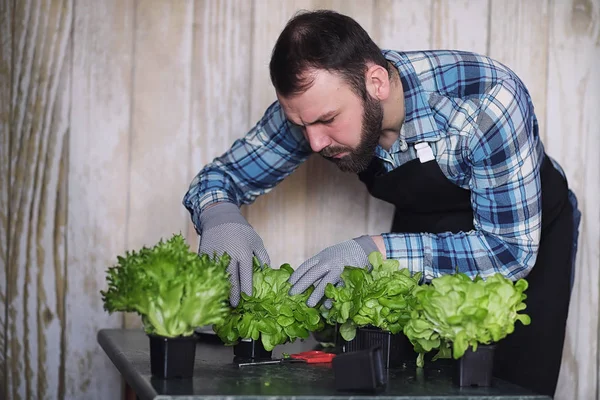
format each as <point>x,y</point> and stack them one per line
<point>109,108</point>
<point>40,104</point>
<point>98,184</point>
<point>572,137</point>
<point>6,32</point>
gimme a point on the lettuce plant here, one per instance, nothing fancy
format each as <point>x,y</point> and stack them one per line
<point>455,312</point>
<point>270,314</point>
<point>380,297</point>
<point>173,289</point>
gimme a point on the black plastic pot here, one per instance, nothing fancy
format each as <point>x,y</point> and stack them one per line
<point>475,368</point>
<point>251,349</point>
<point>172,357</point>
<point>361,371</point>
<point>395,349</point>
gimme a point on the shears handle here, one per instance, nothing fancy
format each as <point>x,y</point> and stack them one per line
<point>314,356</point>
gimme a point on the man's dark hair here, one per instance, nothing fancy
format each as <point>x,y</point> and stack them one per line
<point>322,39</point>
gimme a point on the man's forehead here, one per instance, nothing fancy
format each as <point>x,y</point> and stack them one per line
<point>319,102</point>
<point>303,112</point>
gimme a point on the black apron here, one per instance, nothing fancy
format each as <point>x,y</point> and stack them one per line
<point>426,201</point>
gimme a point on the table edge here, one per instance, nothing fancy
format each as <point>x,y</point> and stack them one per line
<point>145,391</point>
<point>142,388</point>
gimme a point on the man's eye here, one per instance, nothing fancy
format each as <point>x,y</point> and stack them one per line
<point>329,121</point>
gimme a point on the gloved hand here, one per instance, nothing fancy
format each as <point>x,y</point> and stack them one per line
<point>328,265</point>
<point>224,229</point>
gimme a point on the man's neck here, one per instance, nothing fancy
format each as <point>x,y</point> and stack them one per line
<point>393,111</point>
<point>387,139</point>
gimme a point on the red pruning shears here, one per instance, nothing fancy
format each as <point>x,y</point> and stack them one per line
<point>313,357</point>
<point>308,357</point>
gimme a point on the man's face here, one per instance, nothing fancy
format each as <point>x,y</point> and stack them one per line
<point>338,124</point>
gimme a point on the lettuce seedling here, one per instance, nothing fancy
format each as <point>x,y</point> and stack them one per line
<point>380,297</point>
<point>173,289</point>
<point>270,314</point>
<point>455,312</point>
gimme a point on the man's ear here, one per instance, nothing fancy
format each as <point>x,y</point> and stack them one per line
<point>378,82</point>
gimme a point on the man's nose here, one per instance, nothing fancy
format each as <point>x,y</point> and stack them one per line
<point>317,138</point>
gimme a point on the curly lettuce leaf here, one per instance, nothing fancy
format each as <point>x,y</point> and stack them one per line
<point>173,289</point>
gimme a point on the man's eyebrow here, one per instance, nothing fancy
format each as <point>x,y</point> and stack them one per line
<point>324,117</point>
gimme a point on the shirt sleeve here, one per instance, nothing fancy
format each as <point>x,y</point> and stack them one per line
<point>504,154</point>
<point>254,165</point>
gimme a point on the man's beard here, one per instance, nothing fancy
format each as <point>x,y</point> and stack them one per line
<point>358,159</point>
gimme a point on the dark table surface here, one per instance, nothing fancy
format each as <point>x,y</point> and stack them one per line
<point>216,376</point>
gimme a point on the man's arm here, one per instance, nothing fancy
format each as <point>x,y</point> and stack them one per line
<point>254,164</point>
<point>504,152</point>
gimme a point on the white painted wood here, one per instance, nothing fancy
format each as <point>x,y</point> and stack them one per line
<point>460,25</point>
<point>279,216</point>
<point>512,23</point>
<point>220,83</point>
<point>98,188</point>
<point>403,25</point>
<point>360,10</point>
<point>160,126</point>
<point>573,139</point>
<point>6,9</point>
<point>38,215</point>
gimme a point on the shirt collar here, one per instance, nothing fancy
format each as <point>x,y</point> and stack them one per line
<point>419,123</point>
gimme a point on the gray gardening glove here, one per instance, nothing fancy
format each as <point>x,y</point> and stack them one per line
<point>328,265</point>
<point>224,229</point>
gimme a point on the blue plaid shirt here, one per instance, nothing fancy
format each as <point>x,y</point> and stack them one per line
<point>479,121</point>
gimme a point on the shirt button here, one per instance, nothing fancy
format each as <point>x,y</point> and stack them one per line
<point>403,145</point>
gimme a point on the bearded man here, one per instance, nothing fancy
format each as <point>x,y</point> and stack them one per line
<point>450,138</point>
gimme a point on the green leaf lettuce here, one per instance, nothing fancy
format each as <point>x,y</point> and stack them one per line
<point>271,314</point>
<point>380,297</point>
<point>173,289</point>
<point>455,312</point>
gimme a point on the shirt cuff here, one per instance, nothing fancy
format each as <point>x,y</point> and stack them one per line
<point>412,250</point>
<point>200,204</point>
